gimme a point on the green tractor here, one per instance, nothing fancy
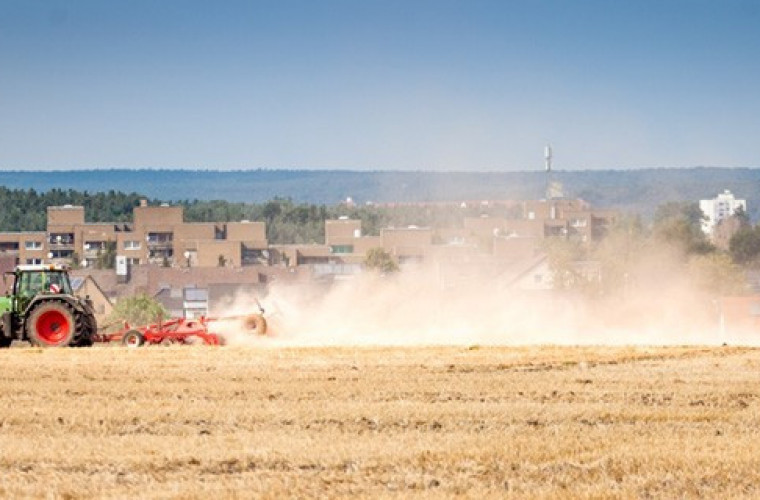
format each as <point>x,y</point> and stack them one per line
<point>42,309</point>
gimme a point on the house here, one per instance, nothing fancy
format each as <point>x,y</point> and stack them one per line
<point>528,274</point>
<point>87,287</point>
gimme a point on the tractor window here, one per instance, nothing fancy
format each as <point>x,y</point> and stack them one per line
<point>30,283</point>
<point>34,282</point>
<point>58,283</point>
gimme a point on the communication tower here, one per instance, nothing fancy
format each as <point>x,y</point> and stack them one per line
<point>554,189</point>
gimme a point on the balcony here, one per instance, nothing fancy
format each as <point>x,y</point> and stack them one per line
<point>160,245</point>
<point>93,249</point>
<point>61,241</point>
<point>160,241</point>
<point>161,256</point>
<point>254,256</point>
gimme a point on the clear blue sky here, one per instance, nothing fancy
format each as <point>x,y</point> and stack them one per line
<point>414,84</point>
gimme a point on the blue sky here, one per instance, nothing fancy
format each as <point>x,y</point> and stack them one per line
<point>392,85</point>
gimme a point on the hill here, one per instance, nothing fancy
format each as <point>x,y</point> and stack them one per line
<point>628,190</point>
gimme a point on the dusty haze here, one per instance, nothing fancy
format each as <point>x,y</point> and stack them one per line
<point>661,307</point>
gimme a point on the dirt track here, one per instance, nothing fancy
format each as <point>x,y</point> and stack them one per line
<point>191,422</point>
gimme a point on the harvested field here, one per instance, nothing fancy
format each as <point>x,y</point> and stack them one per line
<point>518,422</point>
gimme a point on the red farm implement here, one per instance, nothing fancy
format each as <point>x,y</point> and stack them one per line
<point>187,331</point>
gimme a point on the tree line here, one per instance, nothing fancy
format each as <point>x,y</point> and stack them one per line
<point>26,209</point>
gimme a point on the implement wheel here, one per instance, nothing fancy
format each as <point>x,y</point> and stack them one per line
<point>133,338</point>
<point>255,324</point>
<point>51,324</point>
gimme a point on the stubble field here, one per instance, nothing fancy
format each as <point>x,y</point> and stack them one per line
<point>517,422</point>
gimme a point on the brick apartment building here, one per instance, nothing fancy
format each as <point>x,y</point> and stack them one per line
<point>499,237</point>
<point>157,235</point>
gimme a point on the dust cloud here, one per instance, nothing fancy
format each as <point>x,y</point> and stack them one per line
<point>415,307</point>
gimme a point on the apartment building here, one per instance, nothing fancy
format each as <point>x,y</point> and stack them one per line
<point>498,237</point>
<point>719,209</point>
<point>157,235</point>
<point>24,247</point>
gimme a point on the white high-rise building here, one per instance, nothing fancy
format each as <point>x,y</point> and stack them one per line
<point>721,207</point>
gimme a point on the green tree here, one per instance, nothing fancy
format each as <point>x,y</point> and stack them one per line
<point>137,310</point>
<point>106,258</point>
<point>679,224</point>
<point>742,216</point>
<point>379,260</point>
<point>74,261</point>
<point>744,245</point>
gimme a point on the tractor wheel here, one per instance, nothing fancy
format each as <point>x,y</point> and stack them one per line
<point>133,338</point>
<point>255,324</point>
<point>51,324</point>
<point>85,329</point>
<point>85,342</point>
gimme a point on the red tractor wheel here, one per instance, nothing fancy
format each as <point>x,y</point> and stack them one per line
<point>133,338</point>
<point>51,324</point>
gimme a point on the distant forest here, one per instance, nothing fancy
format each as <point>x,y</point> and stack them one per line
<point>26,209</point>
<point>286,220</point>
<point>635,191</point>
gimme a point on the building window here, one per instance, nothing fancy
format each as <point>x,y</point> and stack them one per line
<point>131,245</point>
<point>94,246</point>
<point>578,222</point>
<point>133,261</point>
<point>250,256</point>
<point>33,245</point>
<point>196,294</point>
<point>34,261</point>
<point>9,246</point>
<point>61,238</point>
<point>342,249</point>
<point>160,238</point>
<point>61,254</point>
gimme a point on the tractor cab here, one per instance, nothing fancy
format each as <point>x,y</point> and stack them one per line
<point>41,279</point>
<point>33,280</point>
